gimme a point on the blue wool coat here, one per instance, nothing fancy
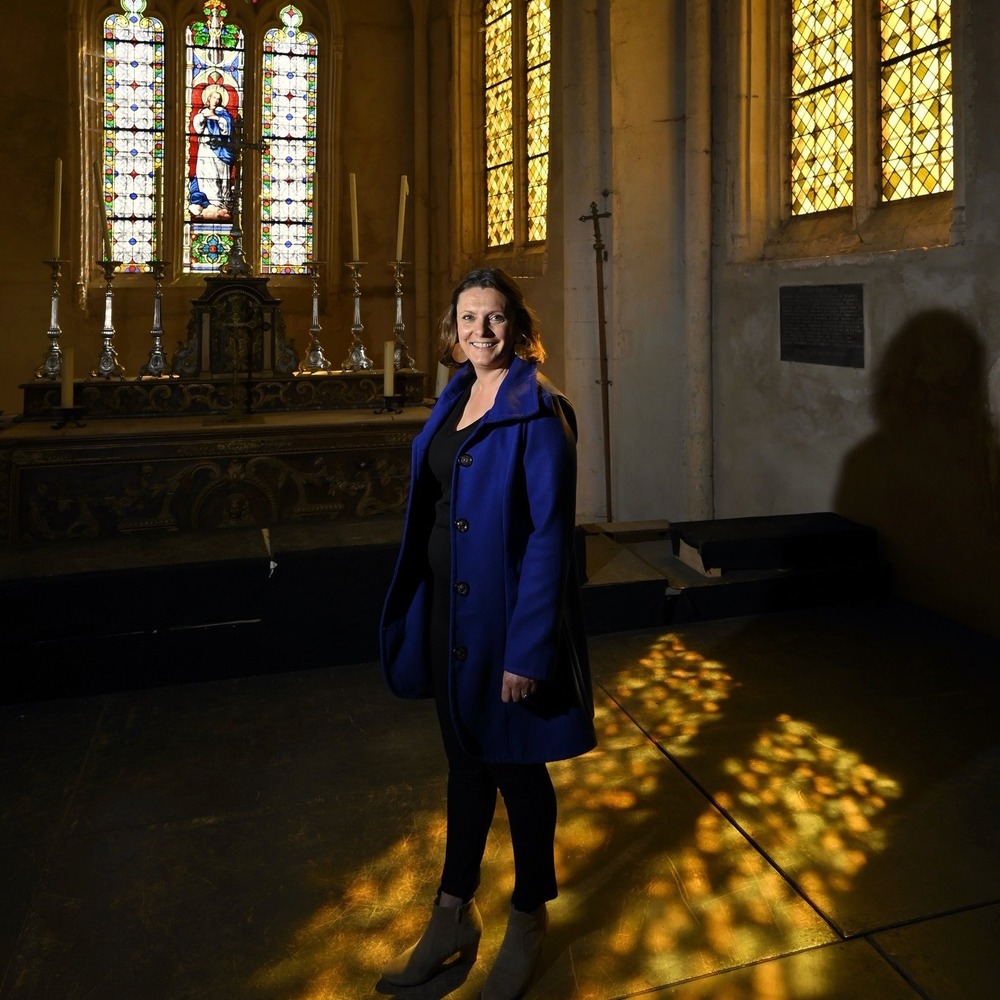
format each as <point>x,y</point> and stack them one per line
<point>515,601</point>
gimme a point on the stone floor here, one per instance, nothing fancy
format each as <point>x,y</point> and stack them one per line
<point>797,806</point>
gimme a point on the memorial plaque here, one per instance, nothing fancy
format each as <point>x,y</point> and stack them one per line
<point>823,324</point>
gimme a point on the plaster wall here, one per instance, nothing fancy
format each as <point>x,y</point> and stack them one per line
<point>586,179</point>
<point>646,329</point>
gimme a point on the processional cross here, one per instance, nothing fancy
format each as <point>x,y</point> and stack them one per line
<point>236,265</point>
<point>603,381</point>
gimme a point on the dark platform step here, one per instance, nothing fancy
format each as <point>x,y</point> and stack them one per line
<point>650,573</point>
<point>783,541</point>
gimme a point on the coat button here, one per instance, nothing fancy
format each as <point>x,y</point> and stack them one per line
<point>461,588</point>
<point>461,524</point>
<point>460,653</point>
<point>465,460</point>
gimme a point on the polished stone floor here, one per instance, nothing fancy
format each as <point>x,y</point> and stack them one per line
<point>798,806</point>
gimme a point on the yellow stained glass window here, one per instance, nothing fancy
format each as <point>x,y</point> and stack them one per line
<point>499,124</point>
<point>822,112</point>
<point>917,118</point>
<point>539,45</point>
<point>517,48</point>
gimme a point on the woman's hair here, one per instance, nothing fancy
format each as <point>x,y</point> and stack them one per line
<point>527,336</point>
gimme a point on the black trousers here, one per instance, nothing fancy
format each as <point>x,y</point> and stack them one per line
<point>473,784</point>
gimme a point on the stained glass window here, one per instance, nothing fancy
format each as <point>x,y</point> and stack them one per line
<point>829,100</point>
<point>917,120</point>
<point>539,46</point>
<point>288,159</point>
<point>213,124</point>
<point>822,137</point>
<point>132,153</point>
<point>517,48</point>
<point>500,191</point>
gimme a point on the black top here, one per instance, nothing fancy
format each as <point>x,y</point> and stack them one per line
<point>442,454</point>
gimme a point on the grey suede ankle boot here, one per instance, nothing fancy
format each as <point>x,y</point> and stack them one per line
<point>453,930</point>
<point>515,962</point>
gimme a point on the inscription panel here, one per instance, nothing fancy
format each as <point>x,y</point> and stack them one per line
<point>823,324</point>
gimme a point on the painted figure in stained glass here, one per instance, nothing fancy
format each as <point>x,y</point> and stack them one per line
<point>213,153</point>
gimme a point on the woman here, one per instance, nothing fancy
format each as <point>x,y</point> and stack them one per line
<point>483,615</point>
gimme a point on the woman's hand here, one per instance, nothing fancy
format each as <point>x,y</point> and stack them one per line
<point>516,687</point>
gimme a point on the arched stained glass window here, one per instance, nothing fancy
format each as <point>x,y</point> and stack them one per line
<point>917,118</point>
<point>132,150</point>
<point>213,126</point>
<point>517,80</point>
<point>288,157</point>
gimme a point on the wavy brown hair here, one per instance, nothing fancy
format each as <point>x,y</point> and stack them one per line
<point>527,336</point>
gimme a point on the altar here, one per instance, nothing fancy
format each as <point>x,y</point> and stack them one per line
<point>235,431</point>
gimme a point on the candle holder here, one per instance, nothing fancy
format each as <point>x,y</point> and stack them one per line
<point>315,360</point>
<point>51,367</point>
<point>156,363</point>
<point>392,404</point>
<point>107,364</point>
<point>400,355</point>
<point>66,415</point>
<point>356,359</point>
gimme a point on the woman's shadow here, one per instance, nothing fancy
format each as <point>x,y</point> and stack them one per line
<point>928,477</point>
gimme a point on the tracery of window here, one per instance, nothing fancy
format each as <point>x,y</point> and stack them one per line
<point>130,172</point>
<point>517,82</point>
<point>288,159</point>
<point>822,168</point>
<point>917,115</point>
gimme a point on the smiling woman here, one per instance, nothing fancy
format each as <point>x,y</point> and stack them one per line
<point>483,614</point>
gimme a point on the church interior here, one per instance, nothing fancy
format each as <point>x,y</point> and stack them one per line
<point>761,240</point>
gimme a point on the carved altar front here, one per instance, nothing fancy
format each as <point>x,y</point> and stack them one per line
<point>111,478</point>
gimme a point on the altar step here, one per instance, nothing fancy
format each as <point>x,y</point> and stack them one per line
<point>144,610</point>
<point>648,573</point>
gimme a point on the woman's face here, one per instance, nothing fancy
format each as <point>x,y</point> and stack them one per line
<point>484,332</point>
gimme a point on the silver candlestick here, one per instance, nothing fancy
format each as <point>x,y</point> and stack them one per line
<point>400,355</point>
<point>156,363</point>
<point>107,364</point>
<point>51,367</point>
<point>356,359</point>
<point>315,360</point>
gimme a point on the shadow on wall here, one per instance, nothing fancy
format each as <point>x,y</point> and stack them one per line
<point>929,477</point>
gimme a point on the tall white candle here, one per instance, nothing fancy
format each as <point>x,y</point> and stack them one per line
<point>389,378</point>
<point>354,219</point>
<point>404,190</point>
<point>57,210</point>
<point>66,382</point>
<point>442,380</point>
<point>104,212</point>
